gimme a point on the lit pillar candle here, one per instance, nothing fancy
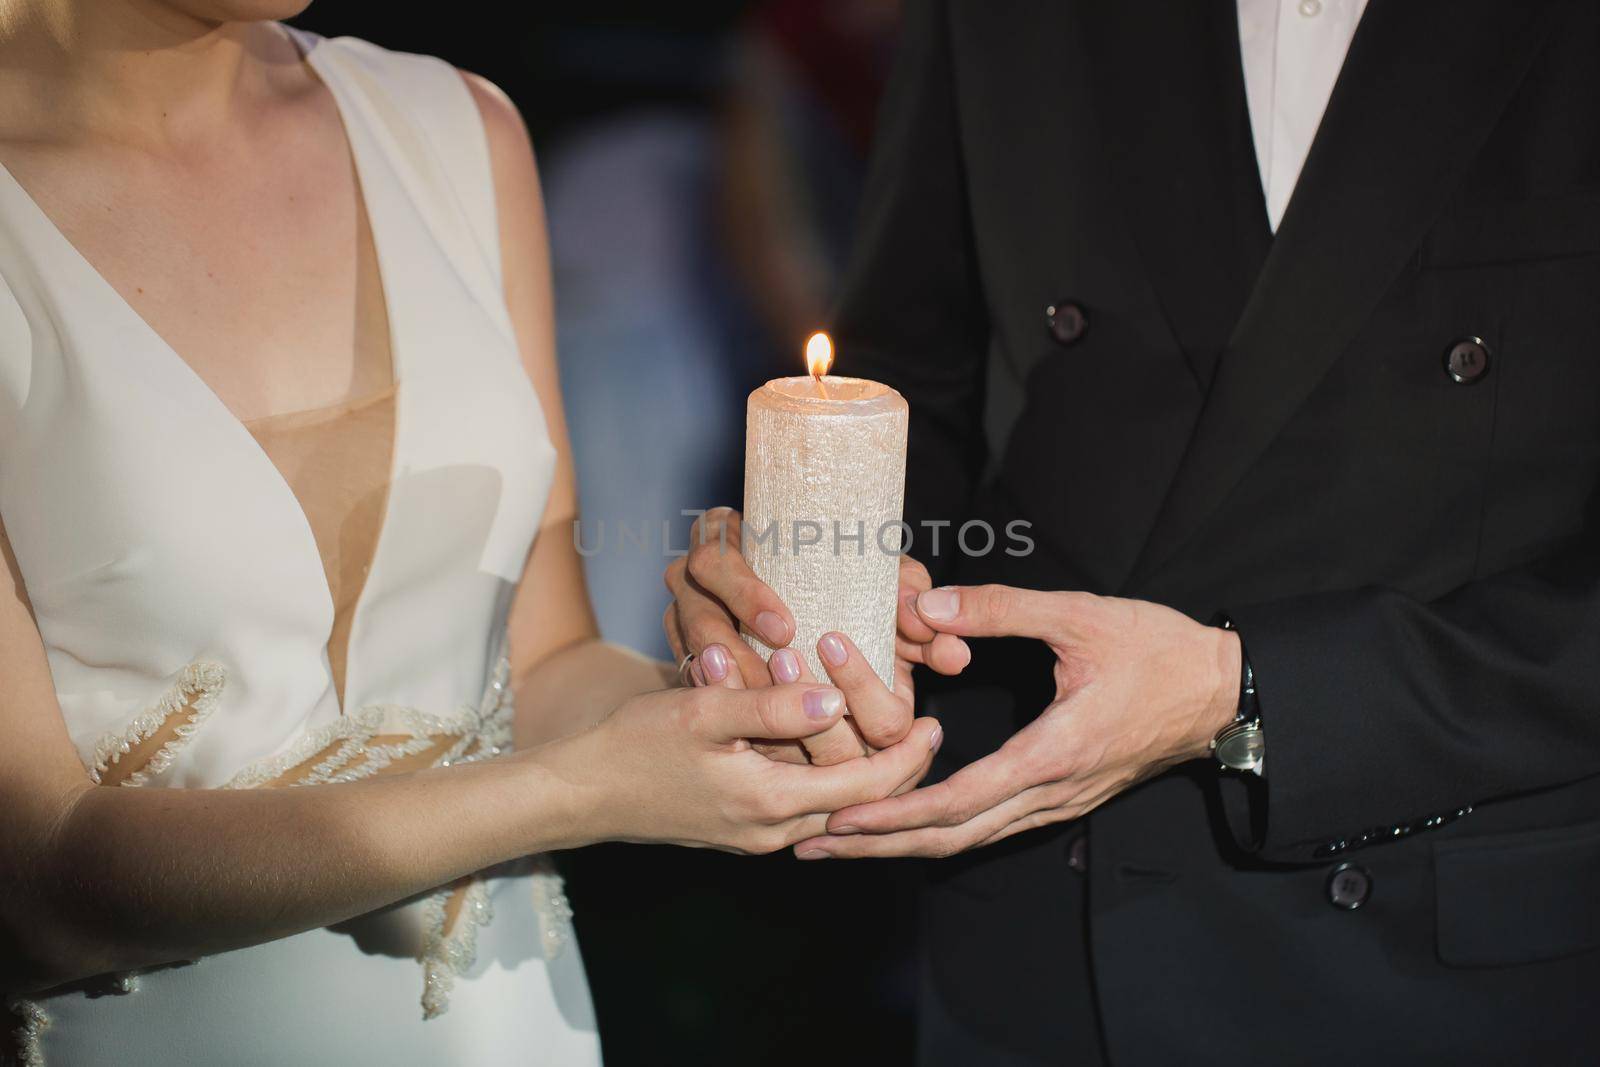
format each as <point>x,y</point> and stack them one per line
<point>824,481</point>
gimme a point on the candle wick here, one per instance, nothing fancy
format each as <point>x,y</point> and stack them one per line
<point>822,388</point>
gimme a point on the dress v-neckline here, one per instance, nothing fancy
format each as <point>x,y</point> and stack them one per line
<point>240,427</point>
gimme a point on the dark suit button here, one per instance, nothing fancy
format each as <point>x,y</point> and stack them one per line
<point>1467,360</point>
<point>1349,886</point>
<point>1067,320</point>
<point>1078,853</point>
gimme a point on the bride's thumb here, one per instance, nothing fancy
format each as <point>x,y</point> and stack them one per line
<point>778,712</point>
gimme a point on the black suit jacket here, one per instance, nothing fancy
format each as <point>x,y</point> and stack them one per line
<point>1265,425</point>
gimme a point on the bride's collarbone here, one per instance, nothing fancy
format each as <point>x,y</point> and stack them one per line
<point>260,272</point>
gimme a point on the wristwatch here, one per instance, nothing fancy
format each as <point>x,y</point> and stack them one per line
<point>1241,745</point>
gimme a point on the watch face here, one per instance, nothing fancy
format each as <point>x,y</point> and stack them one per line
<point>1242,748</point>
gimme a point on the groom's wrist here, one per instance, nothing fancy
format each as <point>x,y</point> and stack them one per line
<point>1220,694</point>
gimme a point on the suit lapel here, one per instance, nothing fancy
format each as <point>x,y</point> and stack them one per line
<point>1422,87</point>
<point>1169,94</point>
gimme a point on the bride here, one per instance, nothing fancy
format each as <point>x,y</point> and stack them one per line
<point>298,678</point>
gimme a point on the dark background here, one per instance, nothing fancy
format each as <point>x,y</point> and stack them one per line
<point>694,956</point>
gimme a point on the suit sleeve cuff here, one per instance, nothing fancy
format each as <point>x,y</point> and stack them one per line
<point>1343,751</point>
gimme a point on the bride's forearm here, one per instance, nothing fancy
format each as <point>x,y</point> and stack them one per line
<point>577,686</point>
<point>137,877</point>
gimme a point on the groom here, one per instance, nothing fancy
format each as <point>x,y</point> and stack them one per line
<point>1303,408</point>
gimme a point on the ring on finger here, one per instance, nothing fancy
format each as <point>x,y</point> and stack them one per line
<point>683,670</point>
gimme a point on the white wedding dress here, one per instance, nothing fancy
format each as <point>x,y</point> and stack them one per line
<point>179,585</point>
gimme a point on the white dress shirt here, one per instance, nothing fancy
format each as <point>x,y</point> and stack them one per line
<point>1292,52</point>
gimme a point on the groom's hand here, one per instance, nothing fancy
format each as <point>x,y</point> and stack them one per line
<point>715,591</point>
<point>1139,688</point>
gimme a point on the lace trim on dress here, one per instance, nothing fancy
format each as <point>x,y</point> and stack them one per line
<point>197,689</point>
<point>351,748</point>
<point>554,910</point>
<point>32,1023</point>
<point>347,749</point>
<point>452,917</point>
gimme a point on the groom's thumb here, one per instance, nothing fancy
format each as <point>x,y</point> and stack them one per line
<point>992,611</point>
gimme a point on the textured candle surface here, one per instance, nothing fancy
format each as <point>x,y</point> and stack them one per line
<point>824,481</point>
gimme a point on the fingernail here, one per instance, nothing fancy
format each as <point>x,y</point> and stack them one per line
<point>814,854</point>
<point>785,666</point>
<point>940,604</point>
<point>822,704</point>
<point>714,659</point>
<point>909,600</point>
<point>937,739</point>
<point>832,650</point>
<point>843,830</point>
<point>772,627</point>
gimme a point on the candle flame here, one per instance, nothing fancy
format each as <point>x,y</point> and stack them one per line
<point>819,354</point>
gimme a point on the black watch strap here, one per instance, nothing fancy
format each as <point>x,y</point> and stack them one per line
<point>1241,745</point>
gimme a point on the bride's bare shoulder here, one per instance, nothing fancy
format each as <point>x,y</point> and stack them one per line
<point>518,198</point>
<point>510,149</point>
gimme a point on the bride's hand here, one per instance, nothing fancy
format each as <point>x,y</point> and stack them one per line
<point>714,591</point>
<point>675,767</point>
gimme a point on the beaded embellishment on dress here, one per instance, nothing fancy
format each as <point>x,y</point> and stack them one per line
<point>554,910</point>
<point>196,690</point>
<point>32,1022</point>
<point>349,749</point>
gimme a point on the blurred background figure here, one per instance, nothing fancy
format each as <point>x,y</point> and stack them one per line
<point>702,164</point>
<point>697,235</point>
<point>798,116</point>
<point>646,336</point>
